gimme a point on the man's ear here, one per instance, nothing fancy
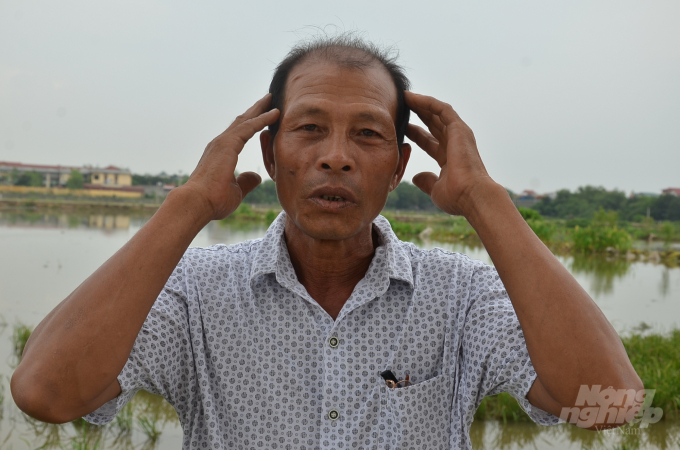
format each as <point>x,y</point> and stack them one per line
<point>401,165</point>
<point>267,145</point>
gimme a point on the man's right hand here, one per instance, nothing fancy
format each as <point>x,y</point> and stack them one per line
<point>72,360</point>
<point>213,180</point>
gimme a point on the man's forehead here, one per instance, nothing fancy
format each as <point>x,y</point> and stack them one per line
<point>371,85</point>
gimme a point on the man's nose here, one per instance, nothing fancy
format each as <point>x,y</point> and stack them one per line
<point>336,156</point>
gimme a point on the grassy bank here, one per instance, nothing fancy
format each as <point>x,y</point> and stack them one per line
<point>604,235</point>
<point>656,359</point>
<point>76,204</point>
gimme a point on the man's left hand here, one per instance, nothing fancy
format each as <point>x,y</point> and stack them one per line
<point>452,144</point>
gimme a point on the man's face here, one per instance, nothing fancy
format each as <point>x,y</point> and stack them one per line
<point>335,157</point>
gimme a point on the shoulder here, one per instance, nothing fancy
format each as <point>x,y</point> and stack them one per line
<point>443,260</point>
<point>221,253</point>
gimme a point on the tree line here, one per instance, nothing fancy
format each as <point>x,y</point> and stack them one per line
<point>587,200</point>
<point>405,197</point>
<point>583,203</point>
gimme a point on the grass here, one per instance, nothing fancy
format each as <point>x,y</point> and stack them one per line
<point>19,338</point>
<point>656,358</point>
<point>149,427</point>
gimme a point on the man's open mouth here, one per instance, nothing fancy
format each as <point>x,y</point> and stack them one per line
<point>333,198</point>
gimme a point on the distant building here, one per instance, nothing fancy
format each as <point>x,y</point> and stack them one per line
<point>110,176</point>
<point>671,191</point>
<point>58,176</point>
<point>527,199</point>
<point>643,194</point>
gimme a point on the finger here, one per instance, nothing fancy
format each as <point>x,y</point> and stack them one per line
<point>259,107</point>
<point>246,130</point>
<point>424,103</point>
<point>248,181</point>
<point>425,181</point>
<point>433,123</point>
<point>427,142</point>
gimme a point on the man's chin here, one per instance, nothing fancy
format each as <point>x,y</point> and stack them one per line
<point>323,227</point>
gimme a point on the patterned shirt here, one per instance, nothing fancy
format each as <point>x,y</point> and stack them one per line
<point>249,360</point>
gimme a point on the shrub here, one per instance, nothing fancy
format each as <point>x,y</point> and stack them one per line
<point>543,229</point>
<point>602,235</point>
<point>406,228</point>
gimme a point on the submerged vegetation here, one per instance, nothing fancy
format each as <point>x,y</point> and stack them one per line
<point>20,336</point>
<point>656,358</point>
<point>601,235</point>
<point>604,234</point>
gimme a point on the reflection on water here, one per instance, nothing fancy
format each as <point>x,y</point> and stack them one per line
<point>603,271</point>
<point>47,220</point>
<point>46,255</point>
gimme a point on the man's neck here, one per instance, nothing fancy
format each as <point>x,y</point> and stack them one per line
<point>330,269</point>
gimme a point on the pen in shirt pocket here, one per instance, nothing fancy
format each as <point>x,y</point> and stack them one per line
<point>392,382</point>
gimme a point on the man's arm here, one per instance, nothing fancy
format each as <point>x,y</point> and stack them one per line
<point>570,341</point>
<point>71,362</point>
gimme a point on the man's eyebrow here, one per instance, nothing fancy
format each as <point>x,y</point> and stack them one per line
<point>368,116</point>
<point>308,111</point>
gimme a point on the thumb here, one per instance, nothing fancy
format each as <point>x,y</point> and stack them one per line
<point>425,181</point>
<point>248,181</point>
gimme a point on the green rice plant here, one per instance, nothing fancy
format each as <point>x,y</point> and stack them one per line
<point>124,419</point>
<point>20,336</point>
<point>150,427</point>
<point>656,358</point>
<point>501,407</point>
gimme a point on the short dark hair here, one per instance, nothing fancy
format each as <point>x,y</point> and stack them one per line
<point>348,50</point>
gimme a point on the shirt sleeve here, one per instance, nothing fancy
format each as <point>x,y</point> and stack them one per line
<point>495,356</point>
<point>161,360</point>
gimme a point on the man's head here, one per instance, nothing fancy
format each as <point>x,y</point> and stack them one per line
<point>346,50</point>
<point>337,149</point>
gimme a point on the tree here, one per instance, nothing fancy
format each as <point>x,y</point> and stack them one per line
<point>408,197</point>
<point>76,180</point>
<point>29,179</point>
<point>263,194</point>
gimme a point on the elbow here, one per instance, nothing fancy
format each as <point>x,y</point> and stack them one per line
<point>600,407</point>
<point>35,398</point>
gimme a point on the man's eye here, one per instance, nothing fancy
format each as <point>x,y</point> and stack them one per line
<point>367,132</point>
<point>309,127</point>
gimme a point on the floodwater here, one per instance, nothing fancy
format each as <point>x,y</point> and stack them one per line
<point>44,256</point>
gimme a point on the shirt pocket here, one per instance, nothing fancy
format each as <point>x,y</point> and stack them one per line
<point>417,416</point>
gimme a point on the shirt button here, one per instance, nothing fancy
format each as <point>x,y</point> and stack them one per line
<point>334,342</point>
<point>333,414</point>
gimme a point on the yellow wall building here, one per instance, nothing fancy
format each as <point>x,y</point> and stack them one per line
<point>58,176</point>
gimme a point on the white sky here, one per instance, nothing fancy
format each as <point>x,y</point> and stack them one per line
<point>559,94</point>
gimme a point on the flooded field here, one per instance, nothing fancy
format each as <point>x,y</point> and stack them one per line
<point>43,257</point>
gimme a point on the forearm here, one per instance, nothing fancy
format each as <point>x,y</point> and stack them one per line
<point>570,341</point>
<point>78,350</point>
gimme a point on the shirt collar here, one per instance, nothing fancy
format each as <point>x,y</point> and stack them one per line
<point>391,260</point>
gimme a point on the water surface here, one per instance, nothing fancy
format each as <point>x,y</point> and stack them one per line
<point>43,257</point>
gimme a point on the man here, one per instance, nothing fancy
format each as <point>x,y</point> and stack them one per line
<point>281,342</point>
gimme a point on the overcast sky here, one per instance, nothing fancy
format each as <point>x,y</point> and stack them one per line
<point>559,94</point>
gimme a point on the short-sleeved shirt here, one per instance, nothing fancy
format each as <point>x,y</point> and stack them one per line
<point>249,360</point>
